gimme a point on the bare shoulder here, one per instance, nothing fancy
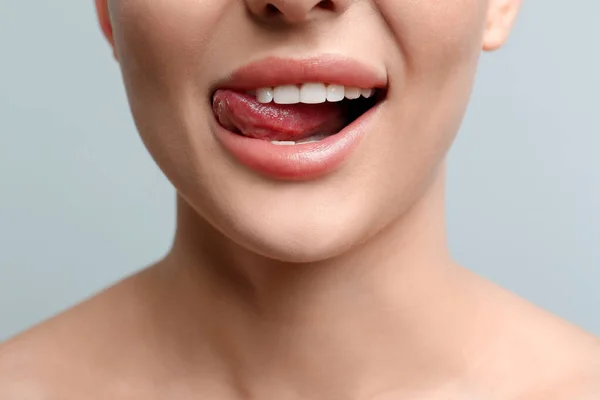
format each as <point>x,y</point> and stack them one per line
<point>568,358</point>
<point>17,377</point>
<point>580,382</point>
<point>40,363</point>
<point>541,355</point>
<point>582,379</point>
<point>28,363</point>
<point>73,349</point>
<point>524,352</point>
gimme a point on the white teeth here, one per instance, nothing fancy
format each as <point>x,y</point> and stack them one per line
<point>313,93</point>
<point>335,93</point>
<point>264,95</point>
<point>309,93</point>
<point>288,94</point>
<point>352,93</point>
<point>283,143</point>
<point>366,93</point>
<point>312,139</point>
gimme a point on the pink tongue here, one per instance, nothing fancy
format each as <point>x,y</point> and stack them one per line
<point>240,112</point>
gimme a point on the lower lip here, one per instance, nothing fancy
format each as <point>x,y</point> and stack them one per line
<point>305,161</point>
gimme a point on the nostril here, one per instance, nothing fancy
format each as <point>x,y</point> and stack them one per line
<point>326,5</point>
<point>272,10</point>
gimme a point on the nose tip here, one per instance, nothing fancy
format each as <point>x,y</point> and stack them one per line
<point>293,11</point>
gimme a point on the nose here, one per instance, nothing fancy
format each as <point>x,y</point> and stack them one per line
<point>295,11</point>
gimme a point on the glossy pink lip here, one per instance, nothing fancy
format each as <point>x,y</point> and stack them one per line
<point>332,69</point>
<point>303,161</point>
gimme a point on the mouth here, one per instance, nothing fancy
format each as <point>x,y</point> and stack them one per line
<point>296,119</point>
<point>293,114</point>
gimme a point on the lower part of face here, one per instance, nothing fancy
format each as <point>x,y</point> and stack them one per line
<point>173,52</point>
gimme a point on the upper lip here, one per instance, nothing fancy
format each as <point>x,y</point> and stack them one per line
<point>331,69</point>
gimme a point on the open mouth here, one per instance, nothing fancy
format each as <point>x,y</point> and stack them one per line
<point>293,114</point>
<point>297,118</point>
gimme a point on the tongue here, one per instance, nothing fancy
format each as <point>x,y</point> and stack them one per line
<point>242,113</point>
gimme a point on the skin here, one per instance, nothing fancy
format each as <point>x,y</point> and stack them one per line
<point>336,288</point>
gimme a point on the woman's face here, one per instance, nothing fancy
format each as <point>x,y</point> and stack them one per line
<point>175,53</point>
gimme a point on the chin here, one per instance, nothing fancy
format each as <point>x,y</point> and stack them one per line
<point>296,233</point>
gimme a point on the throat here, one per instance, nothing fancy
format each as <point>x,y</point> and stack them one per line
<point>331,339</point>
<point>340,329</point>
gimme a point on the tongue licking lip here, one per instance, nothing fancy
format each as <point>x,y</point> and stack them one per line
<point>243,113</point>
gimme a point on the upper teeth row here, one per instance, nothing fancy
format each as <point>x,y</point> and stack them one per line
<point>310,93</point>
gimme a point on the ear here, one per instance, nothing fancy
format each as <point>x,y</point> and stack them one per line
<point>105,23</point>
<point>500,19</point>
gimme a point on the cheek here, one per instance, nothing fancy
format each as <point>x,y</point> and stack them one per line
<point>438,44</point>
<point>160,46</point>
<point>435,30</point>
<point>161,40</point>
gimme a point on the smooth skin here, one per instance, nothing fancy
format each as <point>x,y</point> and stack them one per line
<point>337,288</point>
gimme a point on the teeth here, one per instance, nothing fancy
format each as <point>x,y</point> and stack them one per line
<point>313,93</point>
<point>335,93</point>
<point>352,93</point>
<point>282,143</point>
<point>264,95</point>
<point>309,93</point>
<point>366,93</point>
<point>288,94</point>
<point>312,139</point>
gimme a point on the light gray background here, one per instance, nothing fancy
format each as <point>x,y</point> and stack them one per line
<point>82,204</point>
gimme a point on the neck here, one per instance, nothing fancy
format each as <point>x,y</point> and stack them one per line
<point>354,326</point>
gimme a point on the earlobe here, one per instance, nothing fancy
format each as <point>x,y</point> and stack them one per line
<point>105,23</point>
<point>500,19</point>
